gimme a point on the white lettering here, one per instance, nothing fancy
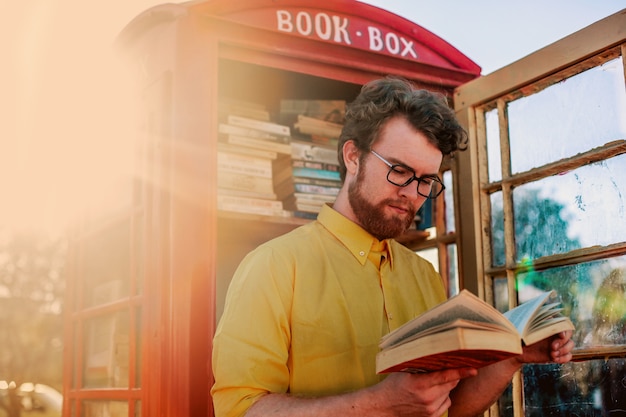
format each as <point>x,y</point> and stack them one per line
<point>304,24</point>
<point>376,39</point>
<point>323,26</point>
<point>408,48</point>
<point>392,43</point>
<point>284,21</point>
<point>341,28</point>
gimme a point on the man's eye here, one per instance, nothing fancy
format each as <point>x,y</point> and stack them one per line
<point>400,170</point>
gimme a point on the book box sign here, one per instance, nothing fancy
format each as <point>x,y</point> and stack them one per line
<point>343,29</point>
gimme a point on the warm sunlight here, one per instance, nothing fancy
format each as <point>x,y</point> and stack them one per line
<point>66,143</point>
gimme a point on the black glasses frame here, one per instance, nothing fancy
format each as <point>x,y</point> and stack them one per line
<point>427,179</point>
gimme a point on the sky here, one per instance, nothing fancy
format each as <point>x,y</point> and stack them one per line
<point>55,151</point>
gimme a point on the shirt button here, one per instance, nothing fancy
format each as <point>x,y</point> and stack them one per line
<point>362,253</point>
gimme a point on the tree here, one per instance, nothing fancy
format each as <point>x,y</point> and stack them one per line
<point>31,296</point>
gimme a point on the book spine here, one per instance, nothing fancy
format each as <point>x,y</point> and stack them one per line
<point>246,150</point>
<point>259,125</point>
<point>246,193</point>
<point>317,181</point>
<point>316,189</point>
<point>316,173</point>
<point>310,198</point>
<point>308,120</point>
<point>311,152</point>
<point>227,129</point>
<point>283,148</point>
<point>315,165</point>
<point>250,205</point>
<point>244,164</point>
<point>243,182</point>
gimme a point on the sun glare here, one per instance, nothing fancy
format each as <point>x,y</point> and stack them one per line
<point>68,142</point>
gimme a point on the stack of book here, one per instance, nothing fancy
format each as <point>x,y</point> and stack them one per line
<point>317,121</point>
<point>254,164</point>
<point>315,176</point>
<point>316,129</point>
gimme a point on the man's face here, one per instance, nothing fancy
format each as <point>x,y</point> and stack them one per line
<point>383,209</point>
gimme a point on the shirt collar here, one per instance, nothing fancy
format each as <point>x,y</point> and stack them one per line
<point>356,239</point>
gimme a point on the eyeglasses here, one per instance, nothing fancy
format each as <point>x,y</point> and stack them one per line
<point>429,186</point>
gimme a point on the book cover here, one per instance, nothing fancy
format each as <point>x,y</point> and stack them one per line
<point>465,331</point>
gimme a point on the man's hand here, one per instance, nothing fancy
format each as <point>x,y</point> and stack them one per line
<point>557,349</point>
<point>426,394</point>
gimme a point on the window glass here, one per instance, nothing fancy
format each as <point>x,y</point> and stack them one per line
<point>590,388</point>
<point>493,145</point>
<point>575,115</point>
<point>431,255</point>
<point>501,294</point>
<point>581,208</point>
<point>593,295</point>
<point>107,269</point>
<point>453,271</point>
<point>106,351</point>
<point>449,201</point>
<point>105,409</point>
<point>497,229</point>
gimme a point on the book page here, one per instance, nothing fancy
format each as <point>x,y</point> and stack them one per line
<point>465,305</point>
<point>521,315</point>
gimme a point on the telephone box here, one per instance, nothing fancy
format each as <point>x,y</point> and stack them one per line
<point>148,281</point>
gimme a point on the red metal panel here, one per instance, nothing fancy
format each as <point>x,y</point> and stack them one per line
<point>349,23</point>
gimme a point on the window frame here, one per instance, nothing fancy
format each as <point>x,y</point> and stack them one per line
<point>588,48</point>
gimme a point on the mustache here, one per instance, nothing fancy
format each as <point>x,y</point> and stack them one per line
<point>403,204</point>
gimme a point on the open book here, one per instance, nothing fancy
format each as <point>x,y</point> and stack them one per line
<point>465,331</point>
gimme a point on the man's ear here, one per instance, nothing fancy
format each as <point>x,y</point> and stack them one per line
<point>351,156</point>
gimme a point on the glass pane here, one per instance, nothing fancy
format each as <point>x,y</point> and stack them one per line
<point>493,145</point>
<point>431,255</point>
<point>424,216</point>
<point>497,229</point>
<point>106,352</point>
<point>449,201</point>
<point>138,409</point>
<point>105,409</point>
<point>139,255</point>
<point>573,116</point>
<point>590,388</point>
<point>501,294</point>
<point>138,349</point>
<point>453,278</point>
<point>581,208</point>
<point>106,268</point>
<point>593,296</point>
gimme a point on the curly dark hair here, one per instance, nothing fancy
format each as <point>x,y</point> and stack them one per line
<point>381,99</point>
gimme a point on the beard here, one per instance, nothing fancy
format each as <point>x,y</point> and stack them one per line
<point>372,216</point>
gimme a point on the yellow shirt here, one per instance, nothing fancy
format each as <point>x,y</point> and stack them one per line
<point>305,312</point>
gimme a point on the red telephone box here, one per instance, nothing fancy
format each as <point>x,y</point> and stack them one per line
<point>148,284</point>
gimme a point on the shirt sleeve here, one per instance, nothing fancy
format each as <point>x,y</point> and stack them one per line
<point>251,344</point>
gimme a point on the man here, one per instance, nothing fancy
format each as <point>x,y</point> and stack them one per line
<point>305,312</point>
